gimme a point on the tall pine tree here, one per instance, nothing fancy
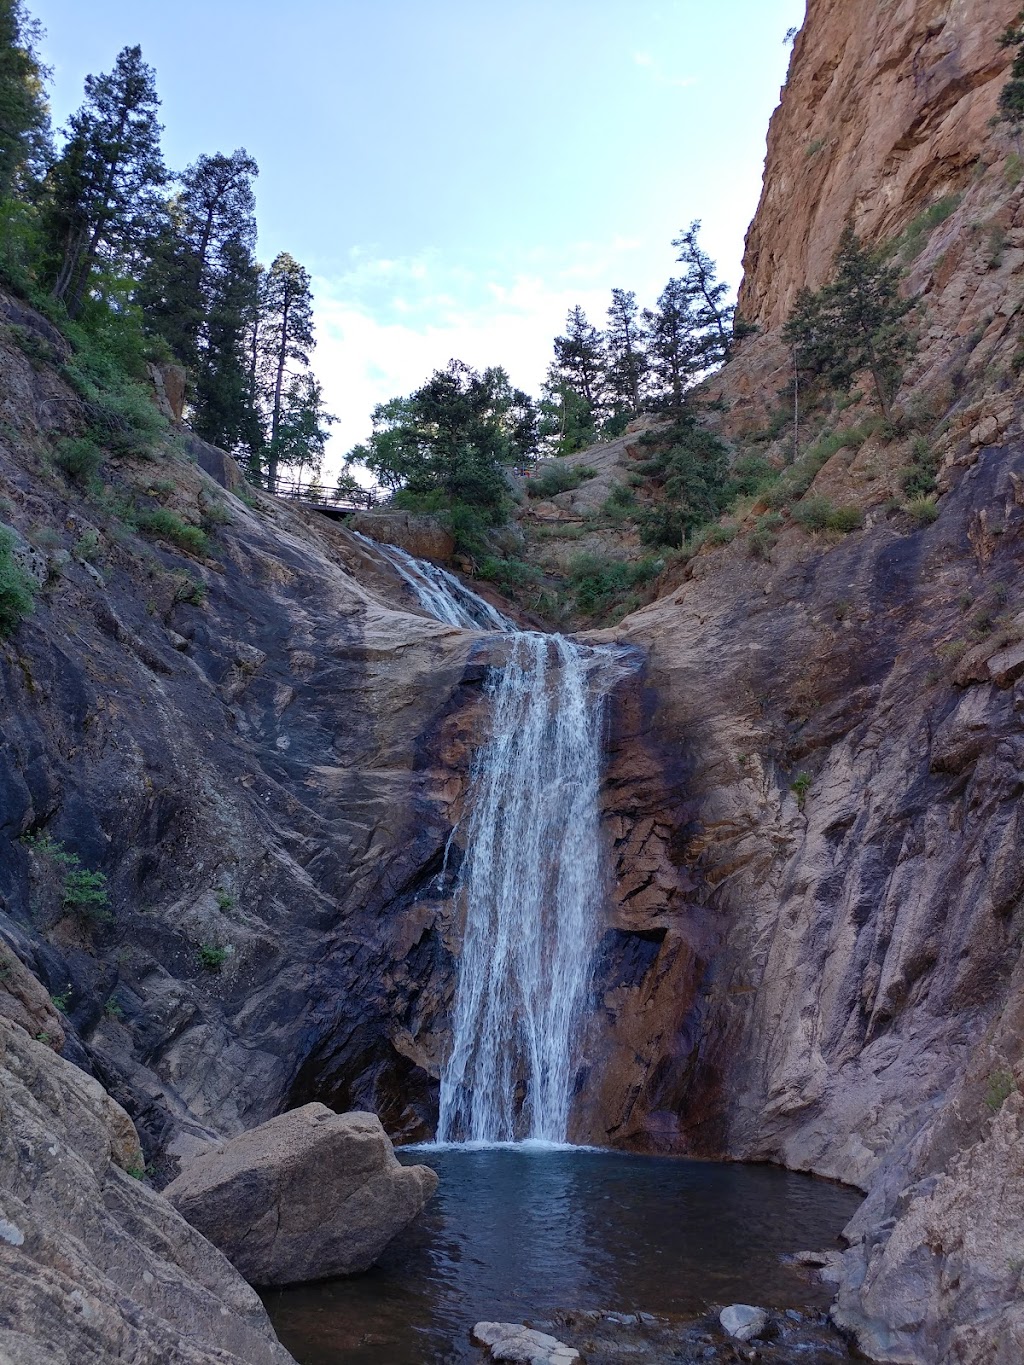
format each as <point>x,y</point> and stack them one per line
<point>285,340</point>
<point>627,356</point>
<point>713,317</point>
<point>24,117</point>
<point>677,349</point>
<point>103,190</point>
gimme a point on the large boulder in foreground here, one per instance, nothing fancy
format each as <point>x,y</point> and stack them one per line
<point>305,1196</point>
<point>96,1267</point>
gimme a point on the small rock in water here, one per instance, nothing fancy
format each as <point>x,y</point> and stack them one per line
<point>520,1345</point>
<point>742,1321</point>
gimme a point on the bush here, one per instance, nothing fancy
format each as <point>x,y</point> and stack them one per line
<point>924,510</point>
<point>80,459</point>
<point>763,537</point>
<point>17,588</point>
<point>85,893</point>
<point>560,478</point>
<point>596,580</point>
<point>914,239</point>
<point>212,956</point>
<point>508,574</point>
<point>167,526</point>
<point>819,514</point>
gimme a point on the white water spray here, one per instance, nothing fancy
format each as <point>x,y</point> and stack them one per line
<point>531,881</point>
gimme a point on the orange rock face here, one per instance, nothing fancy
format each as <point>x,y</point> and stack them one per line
<point>884,112</point>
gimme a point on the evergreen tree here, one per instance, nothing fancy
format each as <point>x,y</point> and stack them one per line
<point>225,402</point>
<point>627,357</point>
<point>677,349</point>
<point>210,221</point>
<point>713,318</point>
<point>575,383</point>
<point>853,324</point>
<point>285,338</point>
<point>102,192</point>
<point>302,428</point>
<point>1011,97</point>
<point>24,116</point>
<point>447,443</point>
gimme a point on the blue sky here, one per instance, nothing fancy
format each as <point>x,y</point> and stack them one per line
<point>457,174</point>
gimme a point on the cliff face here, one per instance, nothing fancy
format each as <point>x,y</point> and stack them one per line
<point>885,111</point>
<point>834,975</point>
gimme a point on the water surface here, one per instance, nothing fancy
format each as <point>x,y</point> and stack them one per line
<point>518,1232</point>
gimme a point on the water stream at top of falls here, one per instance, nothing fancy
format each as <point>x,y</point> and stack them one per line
<point>531,880</point>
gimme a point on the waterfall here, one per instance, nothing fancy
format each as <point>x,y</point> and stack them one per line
<point>531,885</point>
<point>531,880</point>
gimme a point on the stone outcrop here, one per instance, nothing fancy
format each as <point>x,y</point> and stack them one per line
<point>305,1196</point>
<point>94,1265</point>
<point>421,536</point>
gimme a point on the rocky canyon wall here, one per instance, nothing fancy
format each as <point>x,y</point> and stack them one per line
<point>826,866</point>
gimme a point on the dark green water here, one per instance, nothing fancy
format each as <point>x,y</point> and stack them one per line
<point>517,1232</point>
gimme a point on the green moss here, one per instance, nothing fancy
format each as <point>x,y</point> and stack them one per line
<point>165,525</point>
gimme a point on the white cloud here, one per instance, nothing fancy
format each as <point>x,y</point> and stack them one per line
<point>374,344</point>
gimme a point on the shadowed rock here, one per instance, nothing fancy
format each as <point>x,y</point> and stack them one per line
<point>305,1196</point>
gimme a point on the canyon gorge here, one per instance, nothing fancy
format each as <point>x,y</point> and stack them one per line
<point>810,811</point>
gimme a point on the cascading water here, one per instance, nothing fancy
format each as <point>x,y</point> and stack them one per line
<point>531,884</point>
<point>531,879</point>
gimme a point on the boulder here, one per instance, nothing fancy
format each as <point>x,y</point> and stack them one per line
<point>520,1345</point>
<point>743,1321</point>
<point>94,1265</point>
<point>306,1196</point>
<point>421,536</point>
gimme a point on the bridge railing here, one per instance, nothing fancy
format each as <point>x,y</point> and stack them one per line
<point>313,491</point>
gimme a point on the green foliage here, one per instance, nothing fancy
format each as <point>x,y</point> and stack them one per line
<point>508,574</point>
<point>689,467</point>
<point>924,510</point>
<point>85,893</point>
<point>164,524</point>
<point>762,539</point>
<point>854,323</point>
<point>225,900</point>
<point>800,786</point>
<point>17,588</point>
<point>24,119</point>
<point>596,580</point>
<point>1011,97</point>
<point>918,479</point>
<point>916,235</point>
<point>101,193</point>
<point>447,443</point>
<point>1001,1085</point>
<point>87,547</point>
<point>62,1000</point>
<point>212,956</point>
<point>80,458</point>
<point>558,478</point>
<point>820,514</point>
<point>190,590</point>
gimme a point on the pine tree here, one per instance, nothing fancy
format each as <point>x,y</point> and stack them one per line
<point>24,116</point>
<point>303,426</point>
<point>1011,97</point>
<point>627,357</point>
<point>225,402</point>
<point>713,317</point>
<point>574,389</point>
<point>677,350</point>
<point>103,189</point>
<point>209,222</point>
<point>853,324</point>
<point>285,338</point>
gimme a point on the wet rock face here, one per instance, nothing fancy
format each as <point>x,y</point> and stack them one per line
<point>251,769</point>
